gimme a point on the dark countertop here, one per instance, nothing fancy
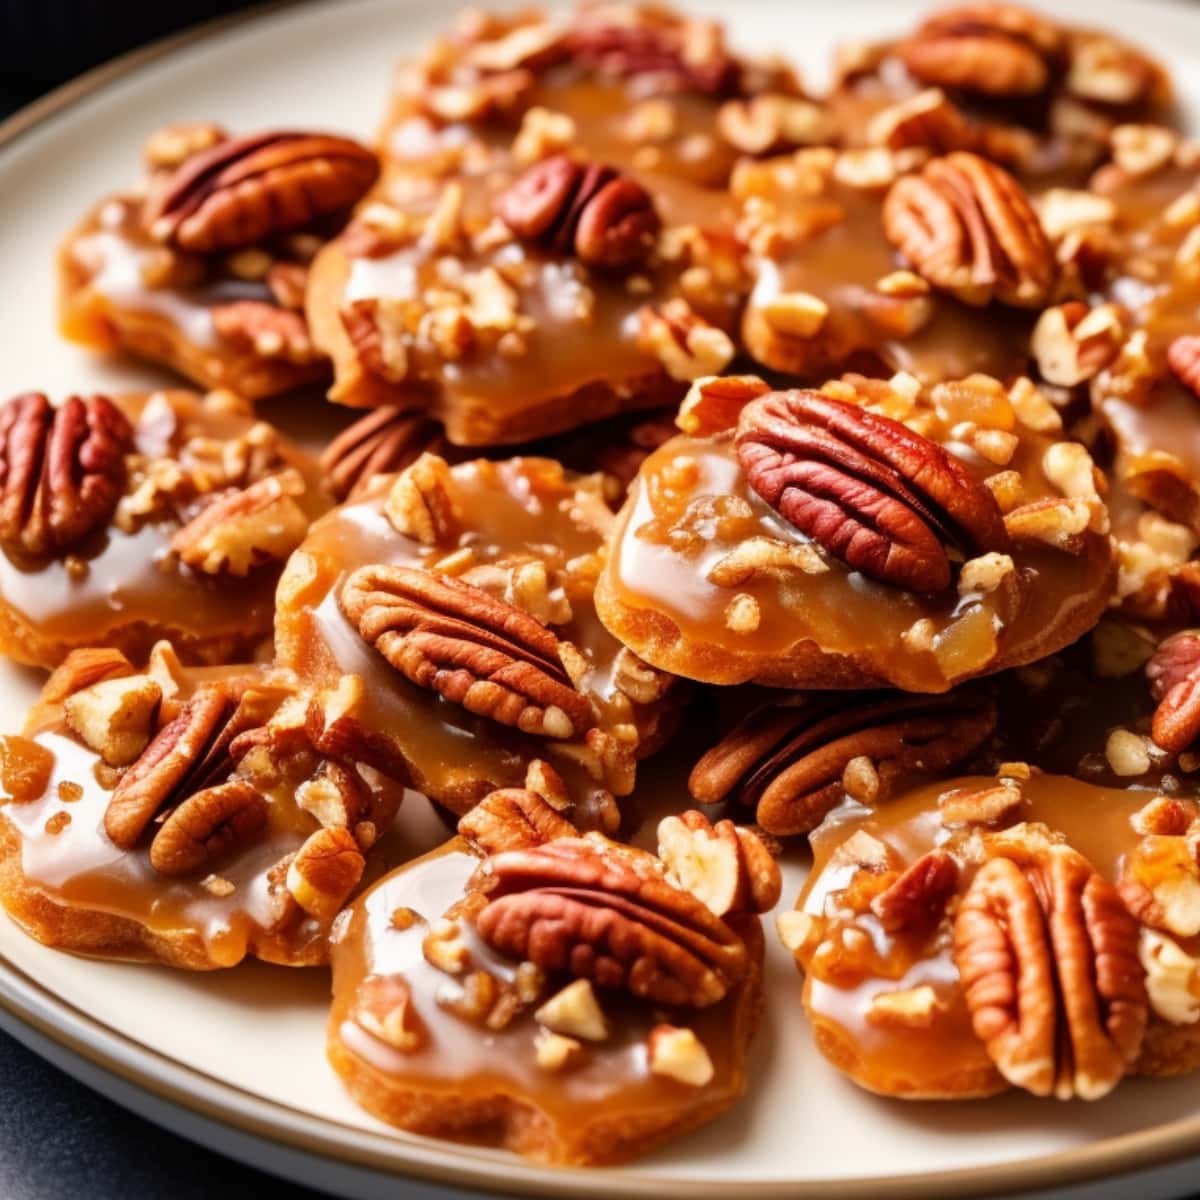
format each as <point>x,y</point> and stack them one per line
<point>59,1140</point>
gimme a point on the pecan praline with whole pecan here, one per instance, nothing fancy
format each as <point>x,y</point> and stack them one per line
<point>244,189</point>
<point>601,215</point>
<point>867,489</point>
<point>581,908</point>
<point>61,470</point>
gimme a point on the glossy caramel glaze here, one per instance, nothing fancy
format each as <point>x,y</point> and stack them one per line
<point>464,1080</point>
<point>941,1055</point>
<point>119,289</point>
<point>124,585</point>
<point>671,533</point>
<point>822,237</point>
<point>508,513</point>
<point>577,329</point>
<point>65,881</point>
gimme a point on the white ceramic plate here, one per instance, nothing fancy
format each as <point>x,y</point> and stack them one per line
<point>236,1059</point>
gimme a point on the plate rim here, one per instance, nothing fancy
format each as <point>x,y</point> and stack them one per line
<point>112,1050</point>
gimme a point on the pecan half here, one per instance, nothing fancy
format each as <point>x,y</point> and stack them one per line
<point>1174,675</point>
<point>967,226</point>
<point>605,217</point>
<point>606,914</point>
<point>790,763</point>
<point>206,826</point>
<point>385,440</point>
<point>995,49</point>
<point>1048,956</point>
<point>61,470</point>
<point>186,756</point>
<point>870,491</point>
<point>1183,357</point>
<point>472,648</point>
<point>513,819</point>
<point>918,897</point>
<point>243,189</point>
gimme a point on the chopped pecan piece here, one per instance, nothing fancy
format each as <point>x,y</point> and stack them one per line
<point>207,826</point>
<point>243,189</point>
<point>683,341</point>
<point>605,913</point>
<point>1174,675</point>
<point>918,897</point>
<point>385,440</point>
<point>1048,956</point>
<point>726,866</point>
<point>61,470</point>
<point>513,819</point>
<point>470,647</point>
<point>967,226</point>
<point>869,490</point>
<point>790,763</point>
<point>604,217</point>
<point>242,530</point>
<point>995,49</point>
<point>324,872</point>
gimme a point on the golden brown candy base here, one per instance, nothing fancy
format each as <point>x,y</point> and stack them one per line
<point>473,1085</point>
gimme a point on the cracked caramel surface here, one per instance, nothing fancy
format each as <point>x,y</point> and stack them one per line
<point>463,1079</point>
<point>505,515</point>
<point>666,593</point>
<point>919,1039</point>
<point>126,584</point>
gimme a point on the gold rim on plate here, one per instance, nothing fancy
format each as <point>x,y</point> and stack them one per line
<point>114,1052</point>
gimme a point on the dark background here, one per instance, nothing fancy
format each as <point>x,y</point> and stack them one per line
<point>58,1139</point>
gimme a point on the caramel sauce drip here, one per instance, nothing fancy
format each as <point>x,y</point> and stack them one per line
<point>666,543</point>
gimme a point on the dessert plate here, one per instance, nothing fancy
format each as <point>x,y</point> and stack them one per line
<point>236,1059</point>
